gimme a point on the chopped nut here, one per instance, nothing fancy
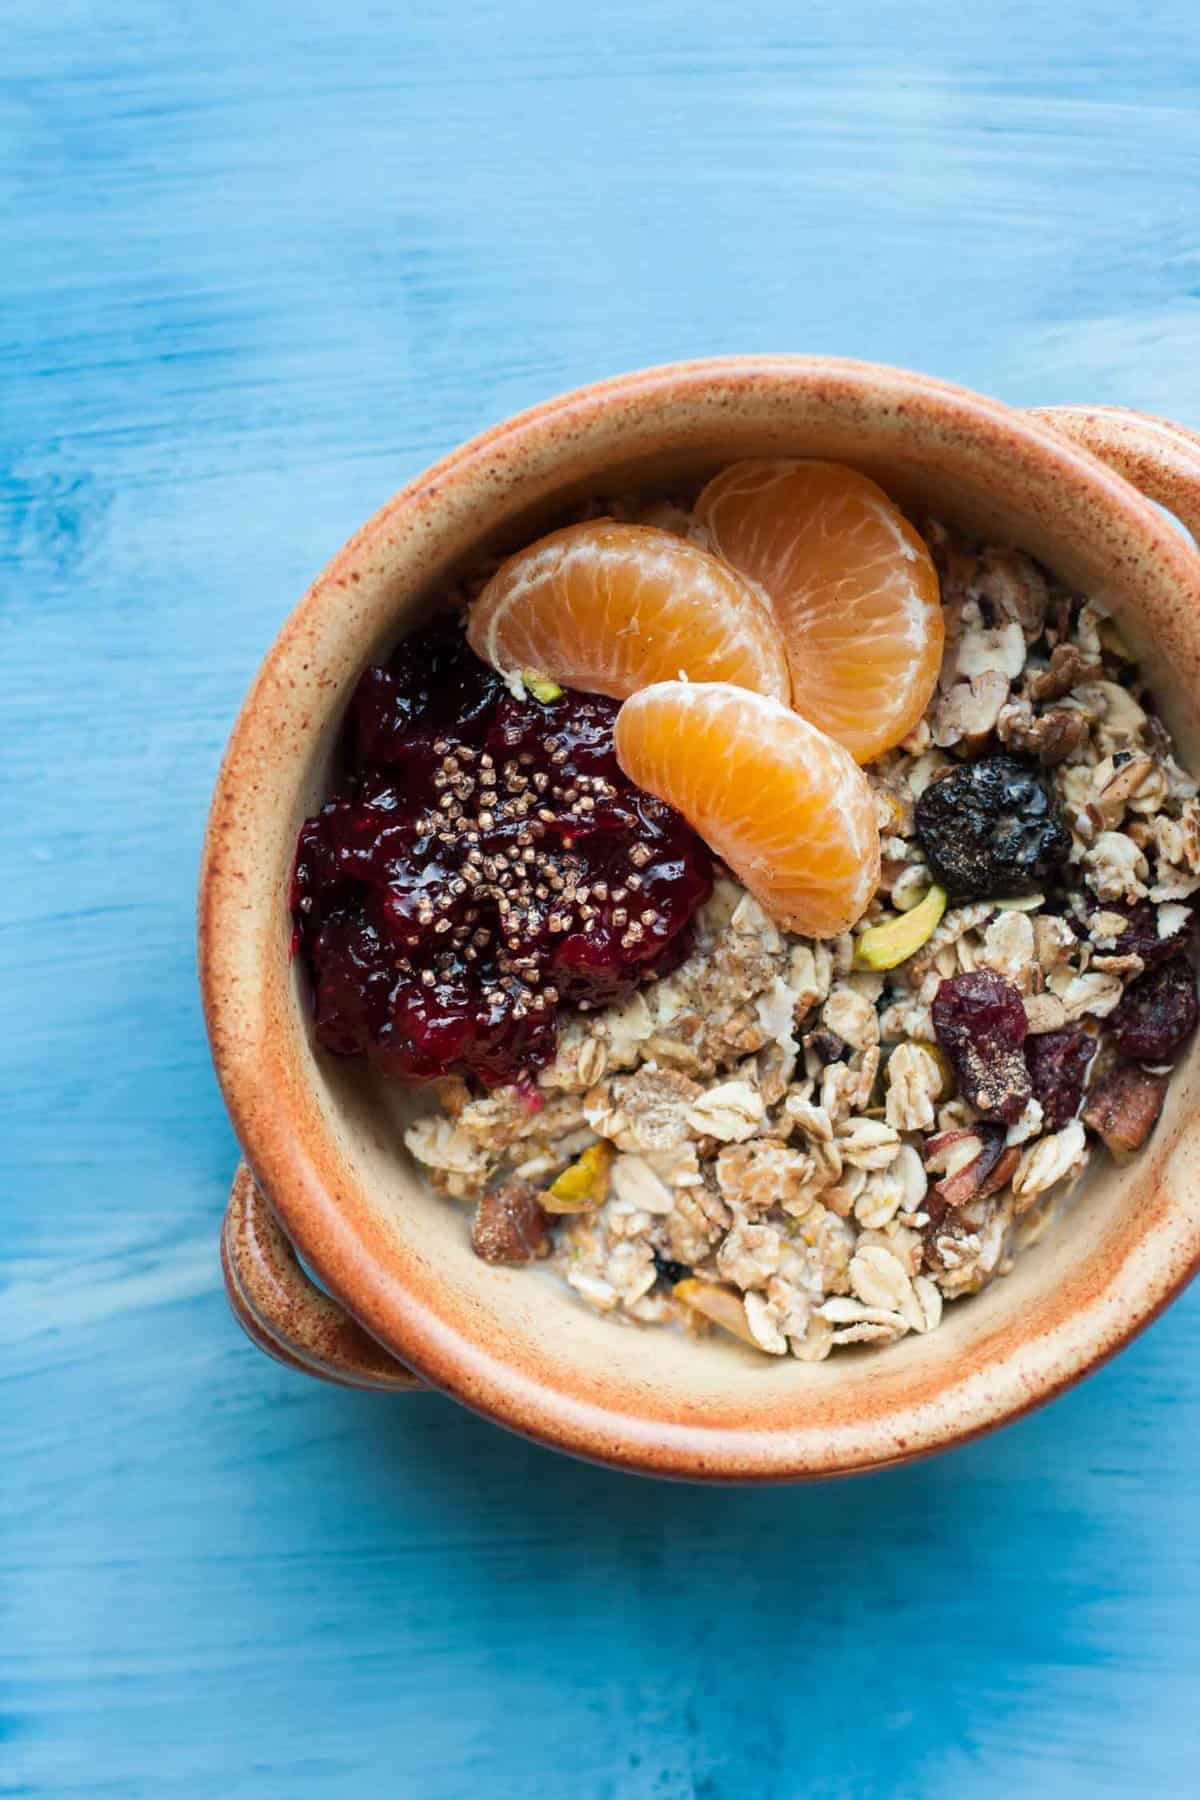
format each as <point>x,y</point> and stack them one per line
<point>1051,736</point>
<point>1116,785</point>
<point>1123,1108</point>
<point>583,1185</point>
<point>719,1304</point>
<point>510,1225</point>
<point>1014,584</point>
<point>888,945</point>
<point>1044,1012</point>
<point>1068,667</point>
<point>974,1163</point>
<point>968,711</point>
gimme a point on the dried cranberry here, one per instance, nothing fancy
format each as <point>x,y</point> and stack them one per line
<point>1156,1012</point>
<point>1140,936</point>
<point>980,1023</point>
<point>1058,1065</point>
<point>484,858</point>
<point>989,828</point>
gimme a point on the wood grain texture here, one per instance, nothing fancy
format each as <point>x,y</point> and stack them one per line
<point>261,263</point>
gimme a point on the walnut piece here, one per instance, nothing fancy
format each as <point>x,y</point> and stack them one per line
<point>1068,667</point>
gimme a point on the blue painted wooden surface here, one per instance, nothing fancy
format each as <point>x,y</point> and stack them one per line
<point>262,262</point>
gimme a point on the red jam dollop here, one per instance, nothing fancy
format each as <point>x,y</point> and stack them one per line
<point>483,860</point>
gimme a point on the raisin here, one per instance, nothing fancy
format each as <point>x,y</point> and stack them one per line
<point>827,1046</point>
<point>980,1023</point>
<point>989,828</point>
<point>1156,1012</point>
<point>1058,1065</point>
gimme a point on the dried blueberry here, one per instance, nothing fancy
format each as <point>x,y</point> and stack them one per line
<point>668,1270</point>
<point>1156,1012</point>
<point>989,828</point>
<point>1058,1065</point>
<point>980,1023</point>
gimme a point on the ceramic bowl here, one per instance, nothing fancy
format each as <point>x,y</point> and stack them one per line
<point>403,1299</point>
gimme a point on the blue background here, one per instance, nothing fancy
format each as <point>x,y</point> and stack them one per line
<point>260,263</point>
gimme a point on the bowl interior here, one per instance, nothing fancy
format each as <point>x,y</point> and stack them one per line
<point>326,1141</point>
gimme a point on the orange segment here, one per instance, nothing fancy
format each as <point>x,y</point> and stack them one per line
<point>853,587</point>
<point>609,607</point>
<point>787,808</point>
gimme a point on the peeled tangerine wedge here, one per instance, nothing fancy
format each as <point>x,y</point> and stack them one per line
<point>786,807</point>
<point>853,588</point>
<point>610,607</point>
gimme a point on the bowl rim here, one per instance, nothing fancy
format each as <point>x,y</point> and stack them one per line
<point>298,1173</point>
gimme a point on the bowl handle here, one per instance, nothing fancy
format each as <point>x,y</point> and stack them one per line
<point>283,1312</point>
<point>1161,459</point>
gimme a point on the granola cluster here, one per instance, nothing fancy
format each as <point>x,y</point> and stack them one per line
<point>782,1140</point>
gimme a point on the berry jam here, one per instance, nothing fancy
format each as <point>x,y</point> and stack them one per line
<point>483,860</point>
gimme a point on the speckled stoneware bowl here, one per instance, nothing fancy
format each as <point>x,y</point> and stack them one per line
<point>406,1300</point>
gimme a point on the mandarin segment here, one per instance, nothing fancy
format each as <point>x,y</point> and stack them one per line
<point>853,587</point>
<point>610,607</point>
<point>787,808</point>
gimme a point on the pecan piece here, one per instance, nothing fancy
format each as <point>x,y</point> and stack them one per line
<point>1067,668</point>
<point>510,1224</point>
<point>1123,1108</point>
<point>975,1160</point>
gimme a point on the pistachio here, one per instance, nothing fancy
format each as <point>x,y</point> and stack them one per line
<point>582,1186</point>
<point>886,946</point>
<point>541,686</point>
